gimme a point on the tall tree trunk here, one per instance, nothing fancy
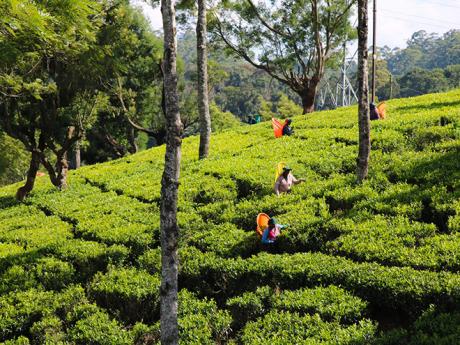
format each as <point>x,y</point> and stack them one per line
<point>202,68</point>
<point>23,191</point>
<point>131,134</point>
<point>363,94</point>
<point>170,183</point>
<point>62,167</point>
<point>62,164</point>
<point>77,155</point>
<point>308,96</point>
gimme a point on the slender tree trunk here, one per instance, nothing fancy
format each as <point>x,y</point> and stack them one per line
<point>131,134</point>
<point>77,155</point>
<point>22,192</point>
<point>62,167</point>
<point>363,93</point>
<point>170,183</point>
<point>202,68</point>
<point>62,163</point>
<point>308,96</point>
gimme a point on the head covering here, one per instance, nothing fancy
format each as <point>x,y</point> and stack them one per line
<point>287,168</point>
<point>272,221</point>
<point>288,121</point>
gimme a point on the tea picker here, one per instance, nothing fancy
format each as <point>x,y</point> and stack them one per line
<point>268,228</point>
<point>285,180</point>
<point>280,129</point>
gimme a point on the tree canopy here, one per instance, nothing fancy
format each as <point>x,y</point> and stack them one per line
<point>293,41</point>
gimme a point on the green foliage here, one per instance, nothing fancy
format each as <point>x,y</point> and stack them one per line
<point>200,321</point>
<point>385,250</point>
<point>419,81</point>
<point>331,303</point>
<point>287,108</point>
<point>13,160</point>
<point>98,328</point>
<point>291,328</point>
<point>434,327</point>
<point>425,50</point>
<point>221,120</point>
<point>132,294</point>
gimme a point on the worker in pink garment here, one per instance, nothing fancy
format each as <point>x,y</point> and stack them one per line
<point>285,181</point>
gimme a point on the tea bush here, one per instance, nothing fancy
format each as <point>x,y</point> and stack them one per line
<point>131,294</point>
<point>290,328</point>
<point>355,258</point>
<point>331,303</point>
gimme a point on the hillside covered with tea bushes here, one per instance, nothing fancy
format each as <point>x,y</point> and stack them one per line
<point>377,263</point>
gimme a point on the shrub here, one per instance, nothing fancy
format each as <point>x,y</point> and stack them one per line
<point>131,294</point>
<point>49,330</point>
<point>18,341</point>
<point>98,328</point>
<point>403,289</point>
<point>279,327</point>
<point>18,311</point>
<point>90,257</point>
<point>48,273</point>
<point>331,303</point>
<point>200,321</point>
<point>226,240</point>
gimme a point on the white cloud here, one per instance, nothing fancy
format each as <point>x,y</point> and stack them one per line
<point>397,20</point>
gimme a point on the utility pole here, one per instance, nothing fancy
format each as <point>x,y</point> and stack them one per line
<point>374,53</point>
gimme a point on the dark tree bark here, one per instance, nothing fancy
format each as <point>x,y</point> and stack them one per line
<point>202,69</point>
<point>170,183</point>
<point>363,93</point>
<point>58,172</point>
<point>308,96</point>
<point>131,134</point>
<point>159,134</point>
<point>62,167</point>
<point>23,191</point>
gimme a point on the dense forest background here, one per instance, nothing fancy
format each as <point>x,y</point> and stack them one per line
<point>238,91</point>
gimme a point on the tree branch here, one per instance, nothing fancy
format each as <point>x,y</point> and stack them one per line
<point>264,22</point>
<point>246,57</point>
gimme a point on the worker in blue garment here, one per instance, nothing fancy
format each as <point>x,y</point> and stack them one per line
<point>272,231</point>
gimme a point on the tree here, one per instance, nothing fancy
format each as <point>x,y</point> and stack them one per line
<point>420,81</point>
<point>293,41</point>
<point>363,93</point>
<point>427,51</point>
<point>453,75</point>
<point>47,93</point>
<point>132,80</point>
<point>202,69</point>
<point>13,160</point>
<point>170,183</point>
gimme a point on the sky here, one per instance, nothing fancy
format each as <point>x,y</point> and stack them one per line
<point>397,20</point>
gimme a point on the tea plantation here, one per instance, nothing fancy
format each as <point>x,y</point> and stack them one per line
<point>377,263</point>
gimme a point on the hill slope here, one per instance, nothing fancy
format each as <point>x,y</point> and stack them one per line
<point>374,263</point>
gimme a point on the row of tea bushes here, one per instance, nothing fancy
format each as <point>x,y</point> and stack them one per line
<point>403,289</point>
<point>104,216</point>
<point>396,241</point>
<point>70,318</point>
<point>330,302</point>
<point>281,327</point>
